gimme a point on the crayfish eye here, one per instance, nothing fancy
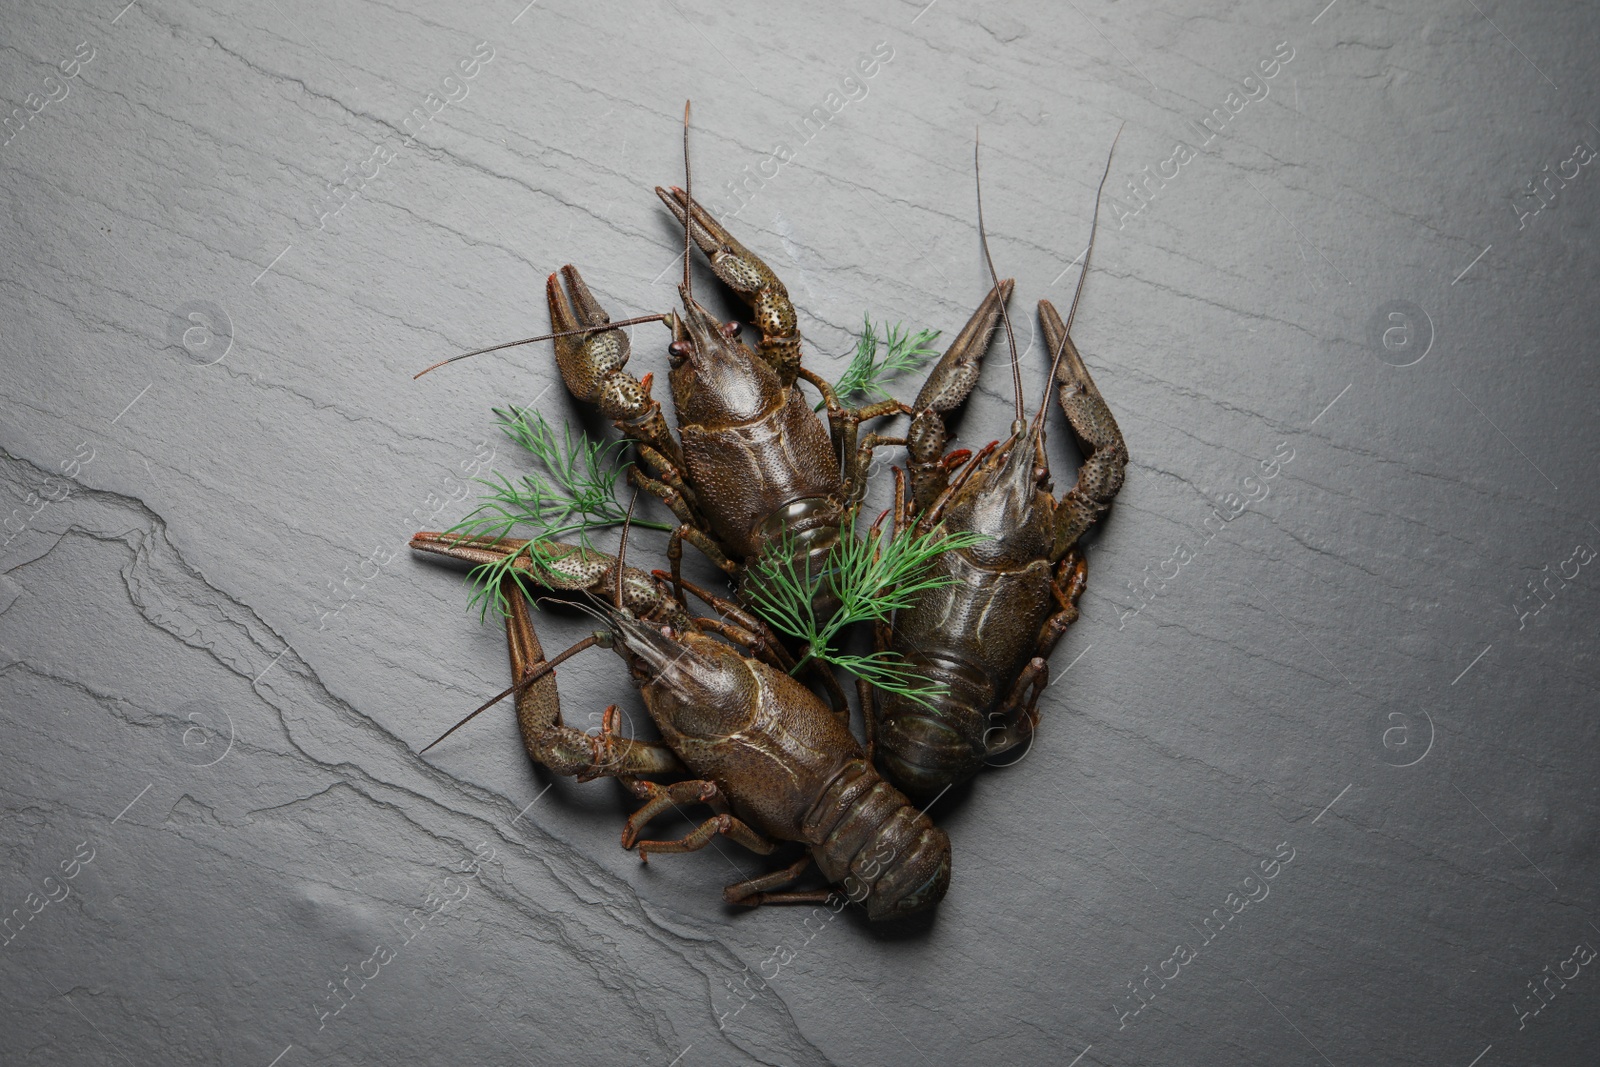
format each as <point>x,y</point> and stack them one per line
<point>730,330</point>
<point>680,349</point>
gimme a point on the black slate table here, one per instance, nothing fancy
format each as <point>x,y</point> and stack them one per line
<point>1315,783</point>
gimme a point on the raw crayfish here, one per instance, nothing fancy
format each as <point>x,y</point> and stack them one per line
<point>772,761</point>
<point>986,632</point>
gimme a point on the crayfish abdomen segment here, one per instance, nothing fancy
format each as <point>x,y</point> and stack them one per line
<point>925,750</point>
<point>866,835</point>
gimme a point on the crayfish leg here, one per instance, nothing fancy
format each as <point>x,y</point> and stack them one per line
<point>729,826</point>
<point>754,891</point>
<point>658,798</point>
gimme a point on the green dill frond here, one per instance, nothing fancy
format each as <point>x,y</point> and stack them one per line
<point>890,672</point>
<point>904,351</point>
<point>486,578</point>
<point>877,576</point>
<point>784,593</point>
<point>873,577</point>
<point>583,474</point>
<point>573,491</point>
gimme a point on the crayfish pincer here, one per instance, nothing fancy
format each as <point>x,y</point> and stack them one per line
<point>770,759</point>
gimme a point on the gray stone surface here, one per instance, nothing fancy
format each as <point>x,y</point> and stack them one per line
<point>213,684</point>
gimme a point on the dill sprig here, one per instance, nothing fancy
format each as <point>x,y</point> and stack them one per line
<point>903,351</point>
<point>873,577</point>
<point>575,494</point>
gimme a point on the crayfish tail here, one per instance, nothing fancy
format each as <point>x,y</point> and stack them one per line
<point>887,854</point>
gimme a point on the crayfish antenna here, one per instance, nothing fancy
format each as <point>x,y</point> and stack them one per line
<point>1055,361</point>
<point>983,237</point>
<point>688,199</point>
<point>537,673</point>
<point>622,546</point>
<point>1106,173</point>
<point>542,337</point>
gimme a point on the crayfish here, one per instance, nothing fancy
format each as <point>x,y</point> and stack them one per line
<point>771,760</point>
<point>986,632</point>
